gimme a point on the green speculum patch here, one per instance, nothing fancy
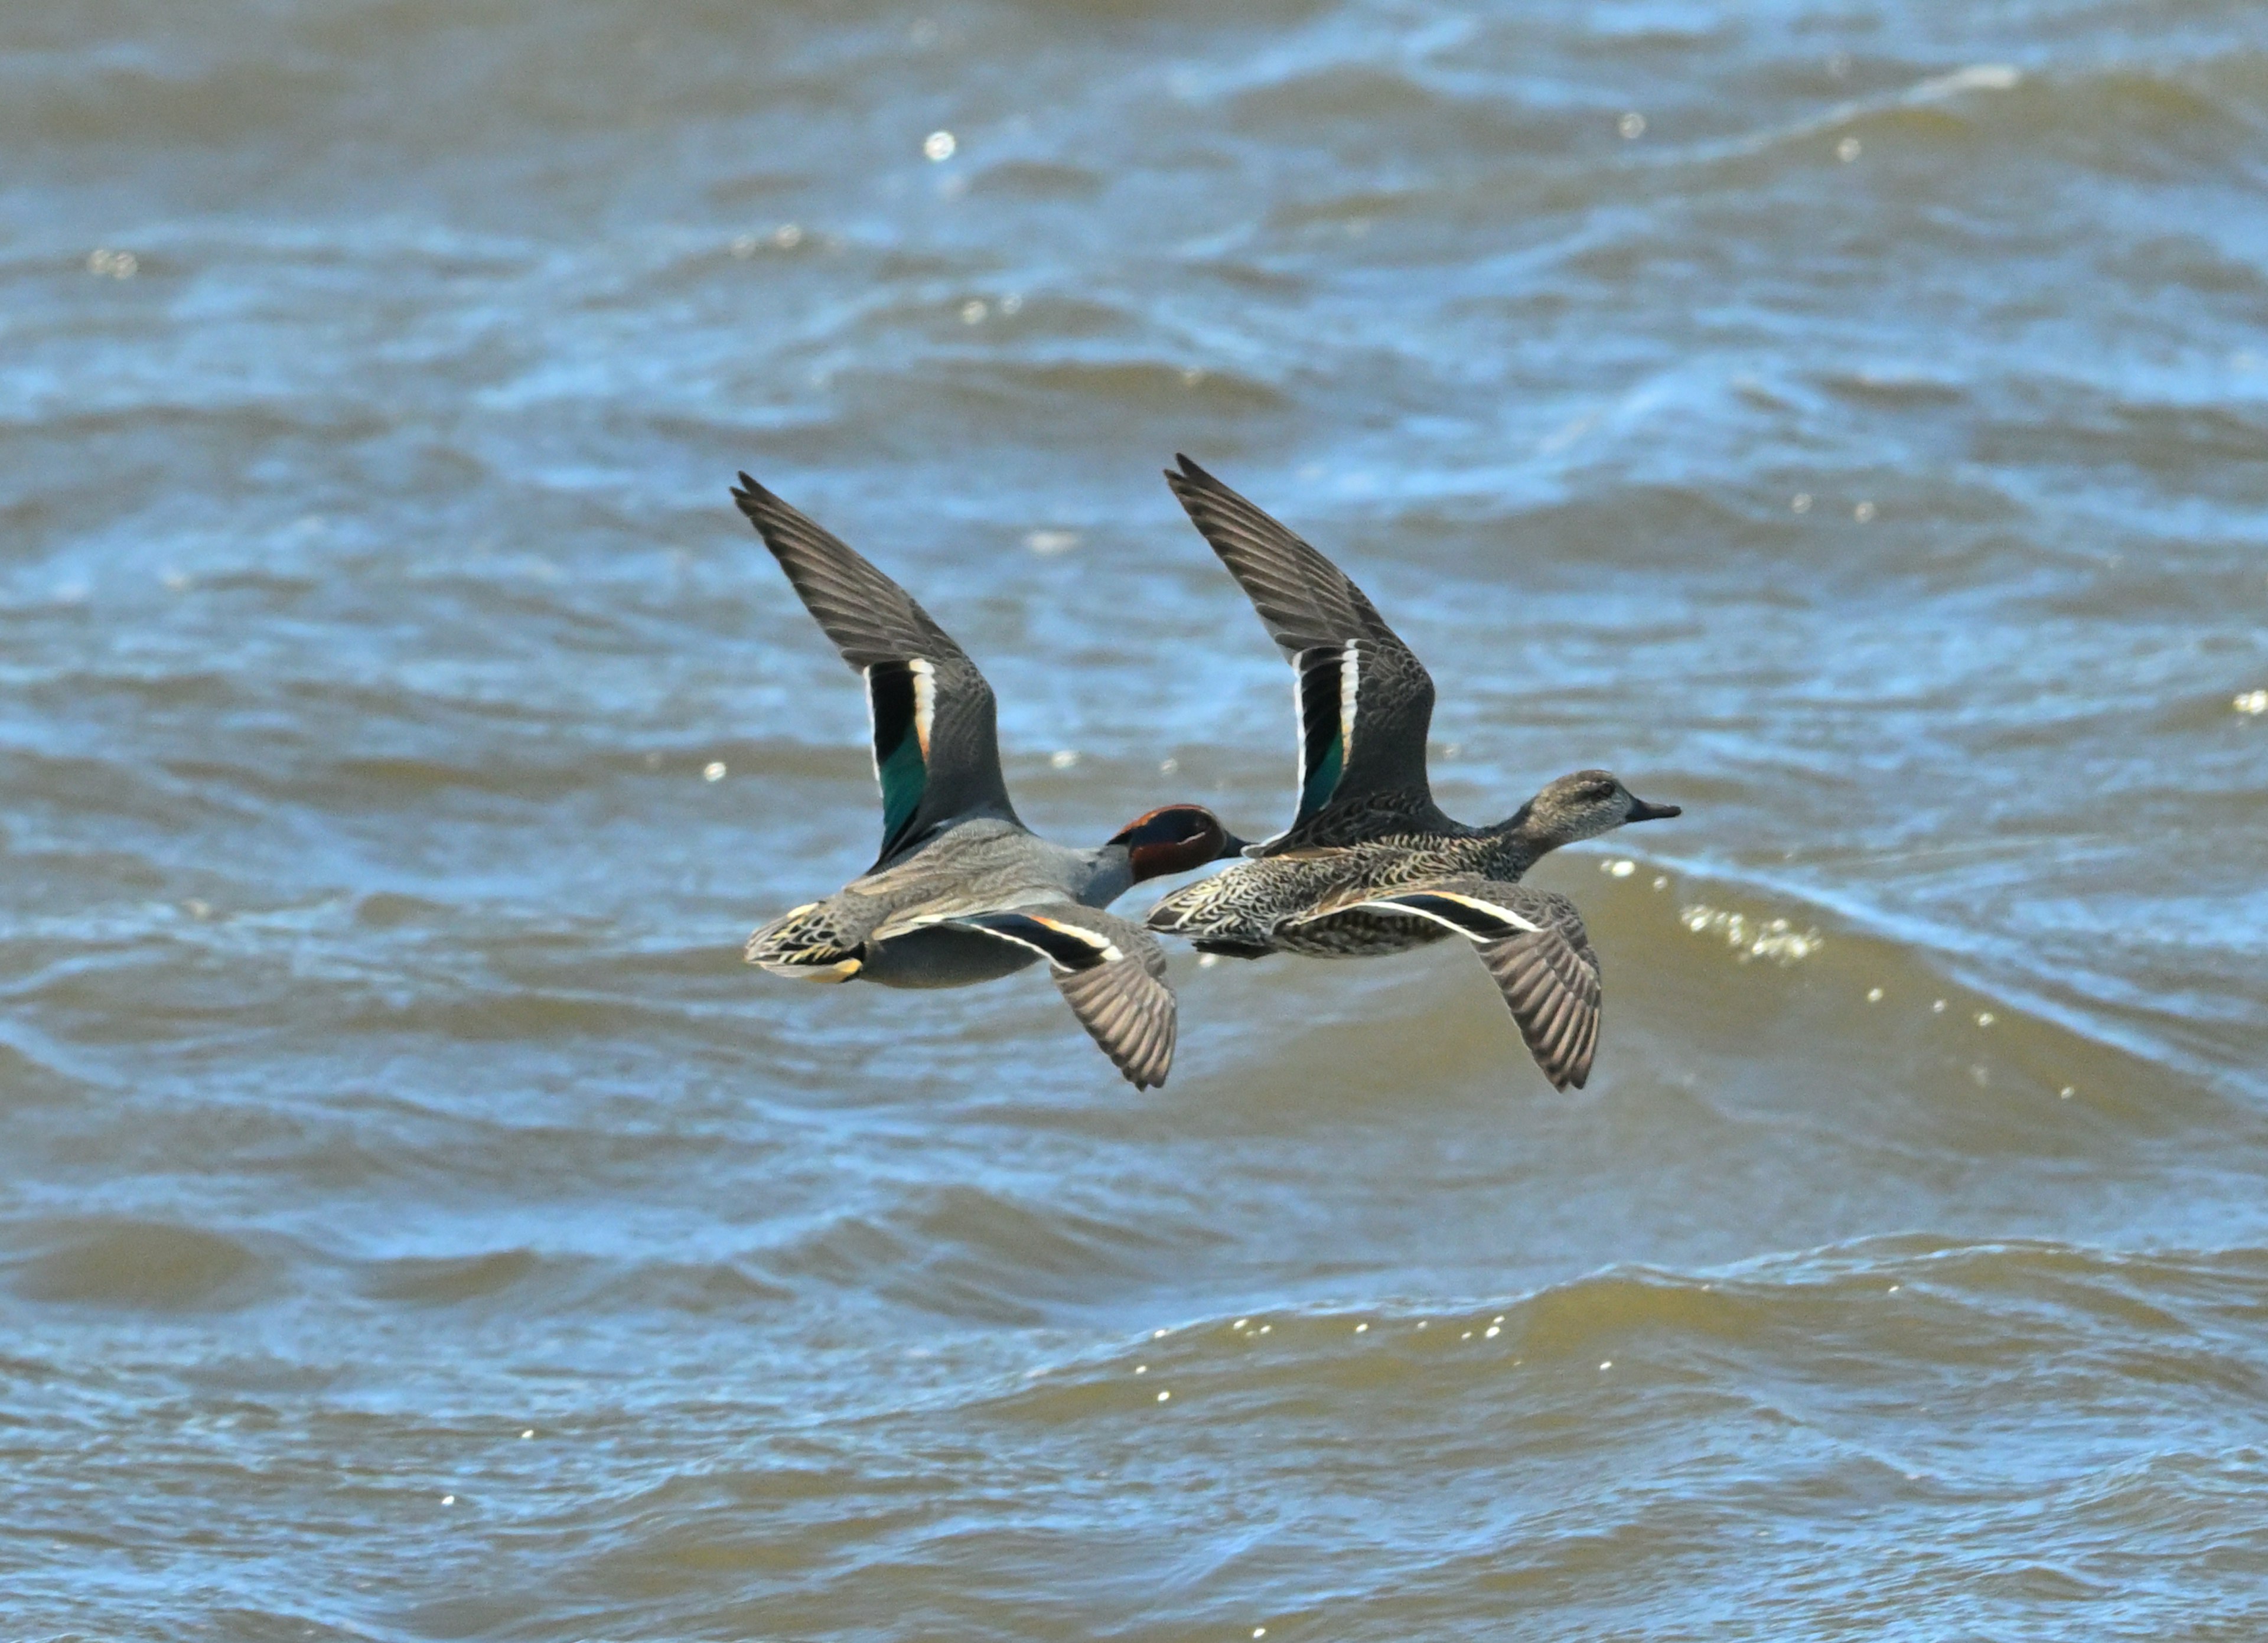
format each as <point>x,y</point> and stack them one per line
<point>1322,733</point>
<point>903,776</point>
<point>1323,778</point>
<point>898,762</point>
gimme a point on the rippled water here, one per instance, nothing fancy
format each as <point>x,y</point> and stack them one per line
<point>1849,423</point>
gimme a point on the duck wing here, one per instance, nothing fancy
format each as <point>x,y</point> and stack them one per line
<point>1365,699</point>
<point>1111,972</point>
<point>937,750</point>
<point>1534,945</point>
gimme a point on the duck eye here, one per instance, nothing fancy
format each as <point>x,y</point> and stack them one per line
<point>1180,827</point>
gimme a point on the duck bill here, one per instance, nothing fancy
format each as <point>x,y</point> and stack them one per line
<point>1231,846</point>
<point>1641,811</point>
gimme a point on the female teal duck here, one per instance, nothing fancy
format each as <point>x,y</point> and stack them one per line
<point>1370,864</point>
<point>962,892</point>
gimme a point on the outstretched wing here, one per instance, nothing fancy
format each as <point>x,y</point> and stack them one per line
<point>937,751</point>
<point>1365,699</point>
<point>1111,972</point>
<point>1534,944</point>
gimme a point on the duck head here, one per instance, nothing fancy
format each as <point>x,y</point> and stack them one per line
<point>1583,806</point>
<point>1175,839</point>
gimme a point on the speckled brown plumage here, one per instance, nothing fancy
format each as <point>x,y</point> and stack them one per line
<point>1370,864</point>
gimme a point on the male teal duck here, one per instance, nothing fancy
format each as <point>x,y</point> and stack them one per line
<point>1370,864</point>
<point>962,892</point>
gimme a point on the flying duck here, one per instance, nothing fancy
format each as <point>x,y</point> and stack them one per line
<point>962,892</point>
<point>1370,864</point>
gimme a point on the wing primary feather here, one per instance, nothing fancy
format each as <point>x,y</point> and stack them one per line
<point>1533,945</point>
<point>1379,708</point>
<point>1109,971</point>
<point>936,742</point>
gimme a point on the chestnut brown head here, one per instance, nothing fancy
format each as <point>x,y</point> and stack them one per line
<point>1175,839</point>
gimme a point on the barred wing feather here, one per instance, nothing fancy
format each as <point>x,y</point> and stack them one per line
<point>937,754</point>
<point>1364,701</point>
<point>1534,946</point>
<point>1110,971</point>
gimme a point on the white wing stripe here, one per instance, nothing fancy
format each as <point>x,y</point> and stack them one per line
<point>1103,944</point>
<point>873,723</point>
<point>1298,734</point>
<point>924,700</point>
<point>1094,938</point>
<point>1391,904</point>
<point>1350,687</point>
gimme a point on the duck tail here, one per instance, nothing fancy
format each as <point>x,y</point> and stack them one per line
<point>805,942</point>
<point>1178,913</point>
<point>1202,914</point>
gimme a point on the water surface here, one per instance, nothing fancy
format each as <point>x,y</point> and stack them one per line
<point>1848,422</point>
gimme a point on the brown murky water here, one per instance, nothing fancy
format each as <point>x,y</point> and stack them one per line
<point>1849,422</point>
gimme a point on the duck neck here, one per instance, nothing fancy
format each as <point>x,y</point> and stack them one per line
<point>1521,841</point>
<point>1110,875</point>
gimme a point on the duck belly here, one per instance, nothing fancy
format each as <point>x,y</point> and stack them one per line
<point>941,956</point>
<point>1358,933</point>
